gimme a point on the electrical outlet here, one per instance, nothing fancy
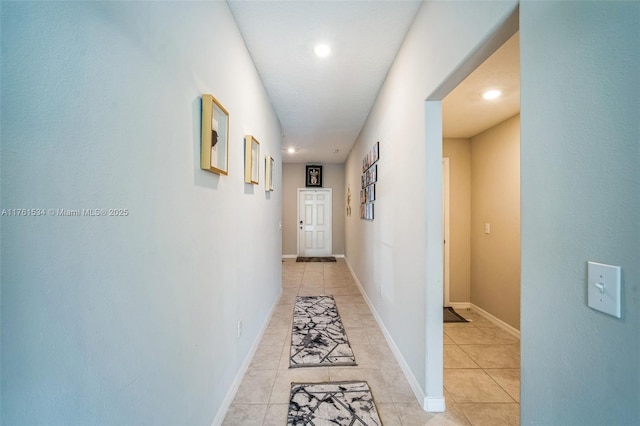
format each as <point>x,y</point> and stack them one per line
<point>239,329</point>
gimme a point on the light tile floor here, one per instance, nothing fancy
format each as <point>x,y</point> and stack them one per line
<point>481,376</point>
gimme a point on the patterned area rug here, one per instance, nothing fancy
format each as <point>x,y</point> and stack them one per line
<point>338,403</point>
<point>316,259</point>
<point>318,338</point>
<point>450,315</point>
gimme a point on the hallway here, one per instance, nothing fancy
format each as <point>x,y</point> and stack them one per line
<point>483,390</point>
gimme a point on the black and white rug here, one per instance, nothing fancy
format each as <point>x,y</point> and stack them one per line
<point>318,338</point>
<point>337,403</point>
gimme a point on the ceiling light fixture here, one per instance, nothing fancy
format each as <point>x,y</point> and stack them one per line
<point>491,94</point>
<point>291,150</point>
<point>322,50</point>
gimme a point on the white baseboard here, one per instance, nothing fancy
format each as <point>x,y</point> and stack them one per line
<point>415,387</point>
<point>226,403</point>
<point>497,321</point>
<point>294,256</point>
<point>460,305</point>
<point>434,405</point>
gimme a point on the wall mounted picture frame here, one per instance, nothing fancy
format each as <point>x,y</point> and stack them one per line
<point>366,211</point>
<point>251,160</point>
<point>269,164</point>
<point>214,144</point>
<point>368,181</point>
<point>313,176</point>
<point>369,211</point>
<point>371,192</point>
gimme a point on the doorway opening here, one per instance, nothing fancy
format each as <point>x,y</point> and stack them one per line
<point>481,139</point>
<point>434,368</point>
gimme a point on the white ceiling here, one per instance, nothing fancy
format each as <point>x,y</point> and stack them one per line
<point>322,103</point>
<point>465,113</point>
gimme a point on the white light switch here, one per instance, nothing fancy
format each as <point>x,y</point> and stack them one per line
<point>487,228</point>
<point>603,290</point>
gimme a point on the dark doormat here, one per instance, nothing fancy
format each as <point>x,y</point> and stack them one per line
<point>316,259</point>
<point>450,315</point>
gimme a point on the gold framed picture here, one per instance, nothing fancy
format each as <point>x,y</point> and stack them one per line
<point>251,160</point>
<point>214,147</point>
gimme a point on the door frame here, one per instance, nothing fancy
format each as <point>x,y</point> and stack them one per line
<point>329,213</point>
<point>434,262</point>
<point>446,228</point>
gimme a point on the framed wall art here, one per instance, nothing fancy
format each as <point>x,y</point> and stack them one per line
<point>251,160</point>
<point>268,173</point>
<point>368,181</point>
<point>314,176</point>
<point>214,145</point>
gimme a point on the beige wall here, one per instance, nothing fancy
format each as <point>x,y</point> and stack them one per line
<point>459,153</point>
<point>292,179</point>
<point>495,199</point>
<point>484,177</point>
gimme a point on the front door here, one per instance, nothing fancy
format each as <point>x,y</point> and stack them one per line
<point>314,222</point>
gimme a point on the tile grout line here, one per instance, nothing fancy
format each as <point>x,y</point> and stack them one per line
<point>484,370</point>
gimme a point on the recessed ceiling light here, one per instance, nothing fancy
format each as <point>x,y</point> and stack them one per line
<point>322,50</point>
<point>335,151</point>
<point>291,150</point>
<point>491,94</point>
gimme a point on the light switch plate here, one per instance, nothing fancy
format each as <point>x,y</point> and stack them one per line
<point>603,291</point>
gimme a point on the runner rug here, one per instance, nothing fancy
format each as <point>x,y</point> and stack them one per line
<point>318,338</point>
<point>337,403</point>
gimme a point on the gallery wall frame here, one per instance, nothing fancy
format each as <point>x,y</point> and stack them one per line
<point>251,160</point>
<point>269,164</point>
<point>214,145</point>
<point>366,211</point>
<point>313,176</point>
<point>368,181</point>
<point>368,194</point>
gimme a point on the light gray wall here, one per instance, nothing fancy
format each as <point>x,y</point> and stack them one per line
<point>580,147</point>
<point>388,255</point>
<point>129,320</point>
<point>293,177</point>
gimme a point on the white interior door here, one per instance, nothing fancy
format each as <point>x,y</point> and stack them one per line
<point>314,222</point>
<point>445,229</point>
